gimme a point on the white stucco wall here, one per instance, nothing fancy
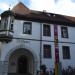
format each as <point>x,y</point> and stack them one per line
<point>67,62</point>
<point>18,30</point>
<point>34,45</point>
<point>71,34</point>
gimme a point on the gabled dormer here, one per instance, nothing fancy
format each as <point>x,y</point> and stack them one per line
<point>6,27</point>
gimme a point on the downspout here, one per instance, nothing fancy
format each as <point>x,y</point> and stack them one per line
<point>40,44</point>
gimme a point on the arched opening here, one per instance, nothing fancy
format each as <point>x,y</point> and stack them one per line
<point>23,64</point>
<point>21,61</point>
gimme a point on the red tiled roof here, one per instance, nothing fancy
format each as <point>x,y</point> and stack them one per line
<point>20,8</point>
<point>22,12</point>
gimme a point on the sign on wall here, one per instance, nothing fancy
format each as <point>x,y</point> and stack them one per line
<point>56,49</point>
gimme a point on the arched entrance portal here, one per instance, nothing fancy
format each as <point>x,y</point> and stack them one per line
<point>21,61</point>
<point>23,64</point>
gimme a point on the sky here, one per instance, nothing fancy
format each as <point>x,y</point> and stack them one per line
<point>64,7</point>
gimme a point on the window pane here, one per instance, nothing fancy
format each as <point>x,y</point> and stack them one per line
<point>11,27</point>
<point>66,52</point>
<point>5,24</point>
<point>27,28</point>
<point>64,32</point>
<point>47,51</point>
<point>11,20</point>
<point>11,24</point>
<point>46,30</point>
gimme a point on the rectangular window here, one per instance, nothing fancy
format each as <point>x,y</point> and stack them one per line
<point>11,27</point>
<point>66,52</point>
<point>46,30</point>
<point>27,27</point>
<point>5,24</point>
<point>47,51</point>
<point>64,32</point>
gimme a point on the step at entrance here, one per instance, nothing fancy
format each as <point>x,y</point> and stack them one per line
<point>18,74</point>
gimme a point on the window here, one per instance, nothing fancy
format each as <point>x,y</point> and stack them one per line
<point>11,24</point>
<point>11,27</point>
<point>5,24</point>
<point>27,28</point>
<point>64,32</point>
<point>66,52</point>
<point>46,30</point>
<point>47,51</point>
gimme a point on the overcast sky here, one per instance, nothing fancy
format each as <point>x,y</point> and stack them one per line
<point>65,7</point>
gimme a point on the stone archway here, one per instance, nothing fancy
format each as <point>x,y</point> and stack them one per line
<point>21,50</point>
<point>19,60</point>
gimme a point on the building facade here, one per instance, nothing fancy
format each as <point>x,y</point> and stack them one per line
<point>27,40</point>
